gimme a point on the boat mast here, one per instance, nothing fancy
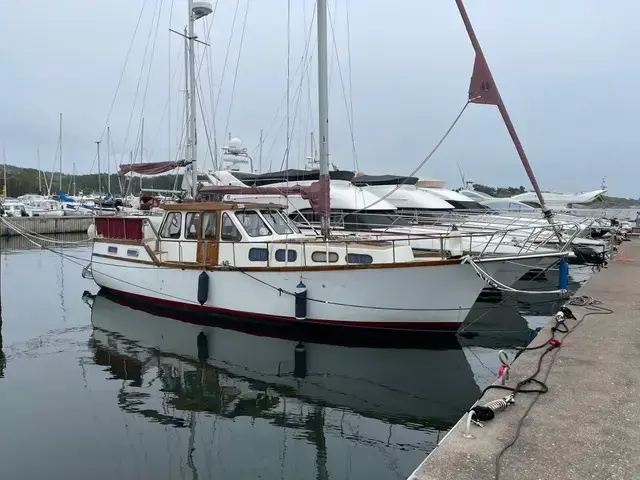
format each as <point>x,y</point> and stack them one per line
<point>74,179</point>
<point>99,179</point>
<point>193,142</point>
<point>108,163</point>
<point>197,10</point>
<point>60,178</point>
<point>187,119</point>
<point>141,150</point>
<point>39,173</point>
<point>260,154</point>
<point>4,173</point>
<point>323,118</point>
<point>483,89</point>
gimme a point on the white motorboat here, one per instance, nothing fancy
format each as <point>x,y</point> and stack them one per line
<point>246,251</point>
<point>44,208</point>
<point>13,208</point>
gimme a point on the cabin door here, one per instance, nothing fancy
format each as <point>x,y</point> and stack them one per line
<point>208,239</point>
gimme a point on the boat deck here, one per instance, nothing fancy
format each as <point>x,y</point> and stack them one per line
<point>586,426</point>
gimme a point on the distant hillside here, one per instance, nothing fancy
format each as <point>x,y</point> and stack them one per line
<point>613,202</point>
<point>25,180</point>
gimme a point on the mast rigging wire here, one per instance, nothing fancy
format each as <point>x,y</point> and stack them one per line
<point>344,92</point>
<point>224,65</point>
<point>135,100</point>
<point>421,164</point>
<point>235,75</point>
<point>115,95</point>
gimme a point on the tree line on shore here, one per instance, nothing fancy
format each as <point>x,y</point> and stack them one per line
<point>21,181</point>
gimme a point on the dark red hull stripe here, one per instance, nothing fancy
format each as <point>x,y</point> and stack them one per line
<point>452,326</point>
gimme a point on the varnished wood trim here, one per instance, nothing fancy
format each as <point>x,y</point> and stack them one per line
<point>427,254</point>
<point>308,268</point>
<point>116,257</point>
<point>118,241</point>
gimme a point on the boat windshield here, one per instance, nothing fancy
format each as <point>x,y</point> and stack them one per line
<point>253,223</point>
<point>468,205</point>
<point>366,220</point>
<point>277,222</point>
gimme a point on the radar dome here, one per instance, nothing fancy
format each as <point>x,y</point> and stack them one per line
<point>235,143</point>
<point>201,9</point>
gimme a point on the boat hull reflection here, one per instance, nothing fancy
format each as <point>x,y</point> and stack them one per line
<point>398,385</point>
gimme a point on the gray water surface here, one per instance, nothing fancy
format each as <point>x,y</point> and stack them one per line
<point>90,388</point>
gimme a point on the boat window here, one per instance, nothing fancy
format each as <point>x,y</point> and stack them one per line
<point>466,205</point>
<point>289,222</point>
<point>171,226</point>
<point>132,252</point>
<point>209,225</point>
<point>322,257</point>
<point>258,254</point>
<point>229,231</point>
<point>253,223</point>
<point>290,255</point>
<point>278,224</point>
<point>111,249</point>
<point>191,225</point>
<point>359,258</point>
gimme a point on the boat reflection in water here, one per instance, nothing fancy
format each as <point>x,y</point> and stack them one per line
<point>375,410</point>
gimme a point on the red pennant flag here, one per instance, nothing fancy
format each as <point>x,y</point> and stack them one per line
<point>482,88</point>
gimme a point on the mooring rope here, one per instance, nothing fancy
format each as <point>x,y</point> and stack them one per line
<point>501,286</point>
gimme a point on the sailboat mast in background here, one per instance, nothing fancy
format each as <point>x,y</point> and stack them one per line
<point>108,160</point>
<point>141,150</point>
<point>97,142</point>
<point>60,178</point>
<point>4,173</point>
<point>39,172</point>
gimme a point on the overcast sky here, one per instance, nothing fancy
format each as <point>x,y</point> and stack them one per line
<point>568,72</point>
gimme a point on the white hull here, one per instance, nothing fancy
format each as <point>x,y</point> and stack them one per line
<point>433,297</point>
<point>46,213</point>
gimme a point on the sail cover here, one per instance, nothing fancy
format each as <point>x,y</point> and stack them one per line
<point>151,168</point>
<point>316,193</point>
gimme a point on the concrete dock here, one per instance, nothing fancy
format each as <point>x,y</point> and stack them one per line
<point>46,225</point>
<point>588,424</point>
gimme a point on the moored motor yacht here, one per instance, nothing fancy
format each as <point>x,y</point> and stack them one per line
<point>247,260</point>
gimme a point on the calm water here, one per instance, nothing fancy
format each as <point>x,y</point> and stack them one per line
<point>94,389</point>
